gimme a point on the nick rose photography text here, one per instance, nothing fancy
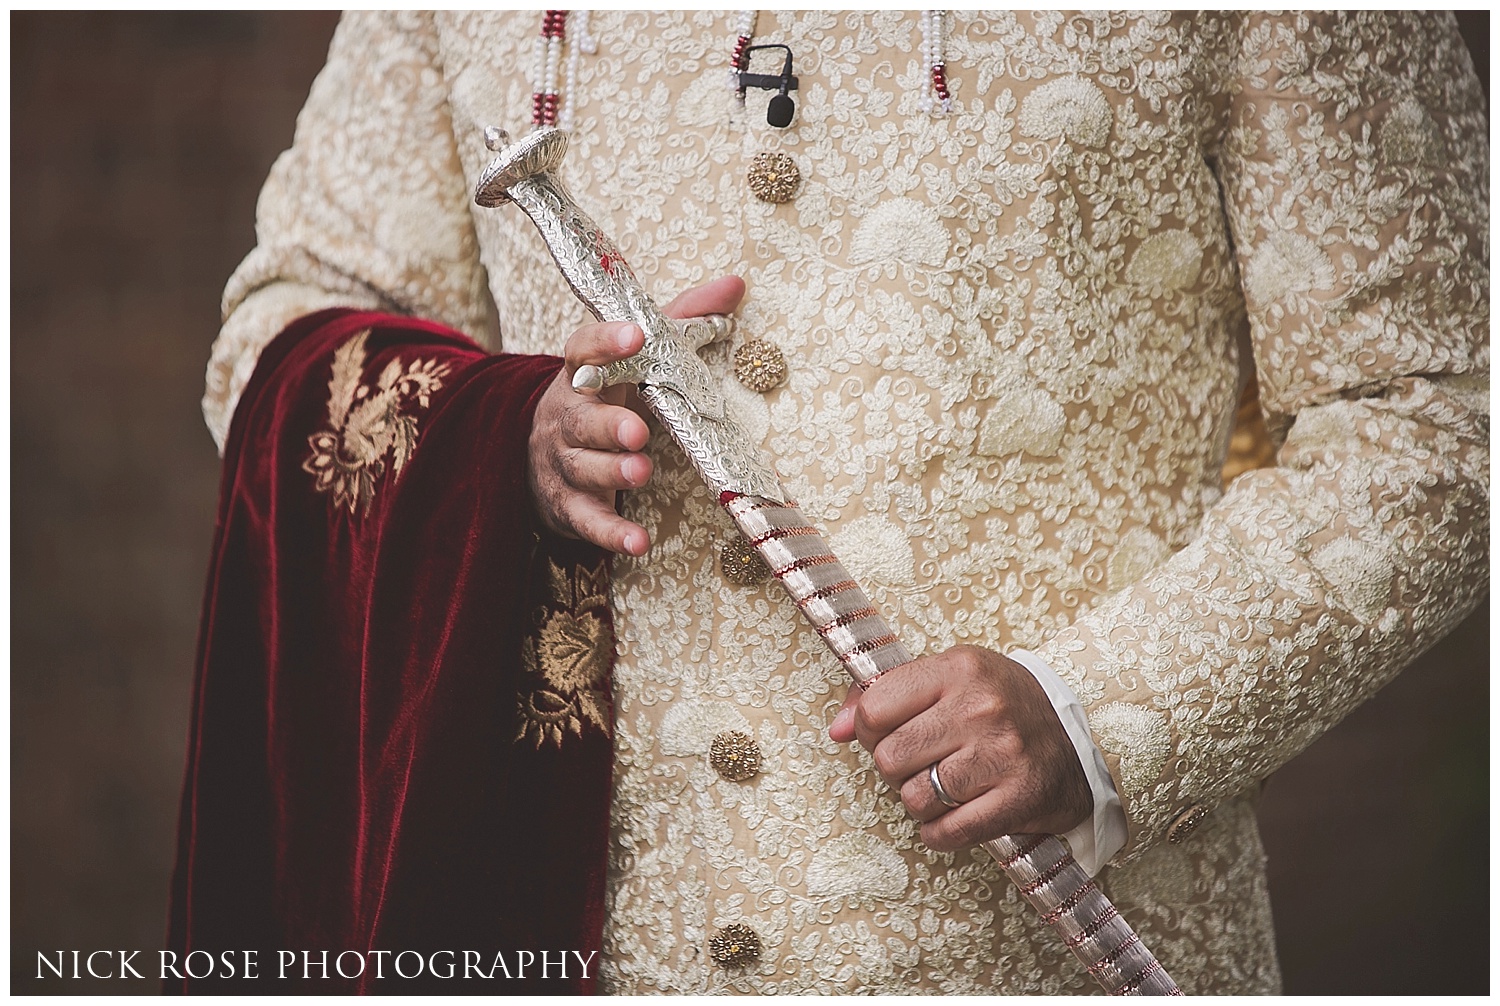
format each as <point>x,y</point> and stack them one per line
<point>316,964</point>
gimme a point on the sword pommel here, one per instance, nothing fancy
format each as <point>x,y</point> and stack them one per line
<point>534,154</point>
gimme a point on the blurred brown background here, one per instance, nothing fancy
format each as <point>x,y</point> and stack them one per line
<point>138,144</point>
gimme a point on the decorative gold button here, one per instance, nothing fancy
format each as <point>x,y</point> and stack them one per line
<point>759,365</point>
<point>741,564</point>
<point>735,756</point>
<point>773,177</point>
<point>1186,823</point>
<point>734,946</point>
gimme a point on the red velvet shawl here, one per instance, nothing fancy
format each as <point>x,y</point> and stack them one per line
<point>400,726</point>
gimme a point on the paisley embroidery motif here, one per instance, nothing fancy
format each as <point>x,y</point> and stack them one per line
<point>565,659</point>
<point>367,425</point>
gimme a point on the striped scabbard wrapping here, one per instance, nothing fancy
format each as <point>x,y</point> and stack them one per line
<point>1040,865</point>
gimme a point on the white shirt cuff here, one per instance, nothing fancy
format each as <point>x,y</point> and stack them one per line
<point>1095,841</point>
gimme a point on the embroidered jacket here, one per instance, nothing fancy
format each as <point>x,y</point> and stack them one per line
<point>1015,337</point>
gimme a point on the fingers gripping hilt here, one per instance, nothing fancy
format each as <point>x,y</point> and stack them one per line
<point>675,383</point>
<point>695,332</point>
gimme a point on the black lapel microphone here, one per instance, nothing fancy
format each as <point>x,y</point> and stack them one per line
<point>779,112</point>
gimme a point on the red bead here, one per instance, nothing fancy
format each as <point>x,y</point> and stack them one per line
<point>740,60</point>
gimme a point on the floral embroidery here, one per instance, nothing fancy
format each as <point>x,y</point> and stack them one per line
<point>1138,736</point>
<point>1070,107</point>
<point>1106,186</point>
<point>902,230</point>
<point>1361,574</point>
<point>565,660</point>
<point>857,865</point>
<point>368,425</point>
<point>1167,260</point>
<point>1409,135</point>
<point>875,551</point>
<point>689,727</point>
<point>1138,552</point>
<point>1025,419</point>
<point>1287,264</point>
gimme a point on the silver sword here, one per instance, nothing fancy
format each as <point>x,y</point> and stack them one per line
<point>678,387</point>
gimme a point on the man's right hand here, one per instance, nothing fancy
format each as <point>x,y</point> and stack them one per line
<point>584,449</point>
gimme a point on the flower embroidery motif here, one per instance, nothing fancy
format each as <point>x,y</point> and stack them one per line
<point>1408,135</point>
<point>1071,107</point>
<point>1024,420</point>
<point>1287,263</point>
<point>1167,260</point>
<point>690,725</point>
<point>367,425</point>
<point>876,551</point>
<point>1139,737</point>
<point>1360,574</point>
<point>860,866</point>
<point>900,230</point>
<point>565,659</point>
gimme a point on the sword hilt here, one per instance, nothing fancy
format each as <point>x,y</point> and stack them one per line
<point>675,382</point>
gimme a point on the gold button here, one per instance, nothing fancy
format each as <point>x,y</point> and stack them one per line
<point>734,946</point>
<point>1186,823</point>
<point>773,177</point>
<point>735,756</point>
<point>741,564</point>
<point>759,365</point>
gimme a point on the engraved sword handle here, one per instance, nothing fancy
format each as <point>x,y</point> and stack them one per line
<point>675,382</point>
<point>699,332</point>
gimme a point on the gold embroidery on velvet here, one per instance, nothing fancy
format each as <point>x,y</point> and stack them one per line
<point>368,424</point>
<point>565,659</point>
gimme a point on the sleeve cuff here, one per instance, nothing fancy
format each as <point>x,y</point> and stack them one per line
<point>1095,841</point>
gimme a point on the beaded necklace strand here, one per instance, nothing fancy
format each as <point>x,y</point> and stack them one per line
<point>739,62</point>
<point>937,100</point>
<point>545,96</point>
<point>547,108</point>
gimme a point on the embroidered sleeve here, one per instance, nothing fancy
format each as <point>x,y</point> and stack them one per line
<point>368,208</point>
<point>1354,170</point>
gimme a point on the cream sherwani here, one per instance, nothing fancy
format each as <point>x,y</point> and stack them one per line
<point>1015,338</point>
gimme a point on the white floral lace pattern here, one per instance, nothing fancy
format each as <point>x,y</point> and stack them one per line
<point>1012,339</point>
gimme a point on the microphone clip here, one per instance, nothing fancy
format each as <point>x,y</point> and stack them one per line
<point>781,108</point>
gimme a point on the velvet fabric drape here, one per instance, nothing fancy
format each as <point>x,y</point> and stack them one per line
<point>360,777</point>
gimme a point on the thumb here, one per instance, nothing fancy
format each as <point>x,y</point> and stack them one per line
<point>842,728</point>
<point>720,296</point>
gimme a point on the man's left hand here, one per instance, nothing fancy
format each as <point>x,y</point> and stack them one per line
<point>1001,750</point>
